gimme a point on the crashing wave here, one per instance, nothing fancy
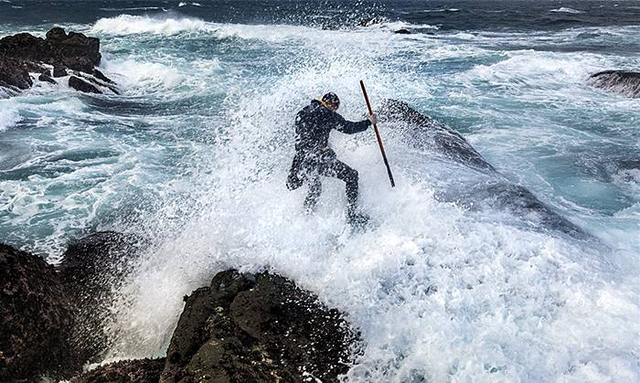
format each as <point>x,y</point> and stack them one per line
<point>130,24</point>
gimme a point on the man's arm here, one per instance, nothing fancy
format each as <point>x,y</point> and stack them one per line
<point>349,127</point>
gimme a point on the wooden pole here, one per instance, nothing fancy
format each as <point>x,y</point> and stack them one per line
<point>375,127</point>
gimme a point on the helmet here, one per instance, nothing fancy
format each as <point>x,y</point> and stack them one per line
<point>331,98</point>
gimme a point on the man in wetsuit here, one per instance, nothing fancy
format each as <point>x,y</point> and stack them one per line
<point>314,158</point>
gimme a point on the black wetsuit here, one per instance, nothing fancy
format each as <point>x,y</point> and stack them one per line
<point>314,157</point>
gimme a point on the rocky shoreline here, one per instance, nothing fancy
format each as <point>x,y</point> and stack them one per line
<point>74,56</point>
<point>241,327</point>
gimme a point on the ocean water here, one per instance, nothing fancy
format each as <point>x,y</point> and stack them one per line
<point>194,153</point>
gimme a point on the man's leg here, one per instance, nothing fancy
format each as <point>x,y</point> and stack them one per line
<point>338,169</point>
<point>315,189</point>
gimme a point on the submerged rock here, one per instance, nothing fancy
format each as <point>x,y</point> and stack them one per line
<point>36,315</point>
<point>258,328</point>
<point>83,86</point>
<point>127,371</point>
<point>46,77</point>
<point>624,82</point>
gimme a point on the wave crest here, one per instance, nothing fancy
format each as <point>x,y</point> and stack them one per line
<point>130,24</point>
<point>565,10</point>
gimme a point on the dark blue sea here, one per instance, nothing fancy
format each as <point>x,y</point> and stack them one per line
<point>194,152</point>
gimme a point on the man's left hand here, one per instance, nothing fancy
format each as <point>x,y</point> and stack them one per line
<point>373,118</point>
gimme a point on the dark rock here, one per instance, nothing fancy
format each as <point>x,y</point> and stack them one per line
<point>127,371</point>
<point>59,71</point>
<point>83,86</point>
<point>489,188</point>
<point>22,53</point>
<point>624,82</point>
<point>254,328</point>
<point>100,76</point>
<point>423,131</point>
<point>91,269</point>
<point>46,76</point>
<point>403,31</point>
<point>36,314</point>
<point>14,74</point>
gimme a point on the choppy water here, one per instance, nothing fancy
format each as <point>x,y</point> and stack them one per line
<point>195,151</point>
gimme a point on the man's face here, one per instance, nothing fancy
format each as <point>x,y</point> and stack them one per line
<point>333,107</point>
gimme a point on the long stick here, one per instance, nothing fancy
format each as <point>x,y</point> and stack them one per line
<point>375,127</point>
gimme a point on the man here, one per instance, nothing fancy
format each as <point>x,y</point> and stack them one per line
<point>314,158</point>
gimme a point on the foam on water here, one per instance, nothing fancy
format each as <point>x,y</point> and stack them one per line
<point>129,24</point>
<point>8,115</point>
<point>440,290</point>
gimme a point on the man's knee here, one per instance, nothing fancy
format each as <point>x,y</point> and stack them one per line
<point>352,175</point>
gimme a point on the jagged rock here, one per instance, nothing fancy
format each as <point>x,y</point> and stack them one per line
<point>74,50</point>
<point>59,71</point>
<point>14,74</point>
<point>83,86</point>
<point>100,76</point>
<point>23,53</point>
<point>127,371</point>
<point>91,269</point>
<point>260,327</point>
<point>403,31</point>
<point>36,315</point>
<point>46,76</point>
<point>620,81</point>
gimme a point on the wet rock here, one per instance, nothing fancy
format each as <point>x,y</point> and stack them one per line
<point>14,74</point>
<point>128,371</point>
<point>36,315</point>
<point>46,77</point>
<point>437,139</point>
<point>100,76</point>
<point>624,82</point>
<point>403,31</point>
<point>260,327</point>
<point>91,269</point>
<point>23,53</point>
<point>83,86</point>
<point>59,71</point>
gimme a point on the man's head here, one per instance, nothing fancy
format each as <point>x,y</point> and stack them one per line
<point>331,101</point>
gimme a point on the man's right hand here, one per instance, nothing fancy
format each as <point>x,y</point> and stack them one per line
<point>373,118</point>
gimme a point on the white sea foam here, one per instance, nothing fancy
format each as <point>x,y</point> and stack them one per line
<point>146,76</point>
<point>131,9</point>
<point>565,10</point>
<point>438,291</point>
<point>129,24</point>
<point>9,115</point>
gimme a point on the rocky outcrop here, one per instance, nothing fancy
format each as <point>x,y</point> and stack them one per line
<point>74,50</point>
<point>92,268</point>
<point>624,82</point>
<point>83,86</point>
<point>36,315</point>
<point>242,327</point>
<point>127,371</point>
<point>14,74</point>
<point>258,328</point>
<point>423,131</point>
<point>23,53</point>
<point>488,187</point>
<point>403,31</point>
